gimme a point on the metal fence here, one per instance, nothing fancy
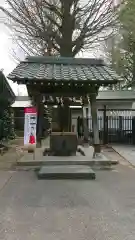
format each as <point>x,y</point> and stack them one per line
<point>119,128</point>
<point>114,129</point>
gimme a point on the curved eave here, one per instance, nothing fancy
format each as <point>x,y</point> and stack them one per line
<point>43,81</point>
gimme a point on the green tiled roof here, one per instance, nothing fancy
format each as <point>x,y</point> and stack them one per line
<point>66,69</point>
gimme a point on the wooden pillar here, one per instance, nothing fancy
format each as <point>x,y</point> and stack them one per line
<point>96,141</point>
<point>89,116</point>
<point>40,119</point>
<point>105,126</point>
<point>64,116</point>
<point>85,126</point>
<point>133,130</point>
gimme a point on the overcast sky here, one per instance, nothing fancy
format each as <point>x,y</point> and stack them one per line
<point>7,63</point>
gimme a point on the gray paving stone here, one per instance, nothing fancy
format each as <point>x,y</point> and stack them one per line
<point>66,172</point>
<point>127,152</point>
<point>63,210</point>
<point>5,177</point>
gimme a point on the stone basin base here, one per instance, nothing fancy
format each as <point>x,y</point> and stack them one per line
<point>63,143</point>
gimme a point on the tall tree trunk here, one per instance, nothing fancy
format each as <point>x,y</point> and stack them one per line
<point>66,51</point>
<point>96,141</point>
<point>66,30</point>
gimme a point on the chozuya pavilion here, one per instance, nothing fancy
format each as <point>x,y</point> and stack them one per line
<point>64,78</point>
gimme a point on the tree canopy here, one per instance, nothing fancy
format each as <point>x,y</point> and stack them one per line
<point>62,27</point>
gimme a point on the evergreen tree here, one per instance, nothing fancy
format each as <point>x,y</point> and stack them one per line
<point>6,123</point>
<point>7,120</point>
<point>120,48</point>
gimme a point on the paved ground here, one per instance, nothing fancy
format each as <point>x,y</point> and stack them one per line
<point>127,152</point>
<point>111,154</point>
<point>10,157</point>
<point>103,209</point>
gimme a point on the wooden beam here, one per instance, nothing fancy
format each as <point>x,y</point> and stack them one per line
<point>95,124</point>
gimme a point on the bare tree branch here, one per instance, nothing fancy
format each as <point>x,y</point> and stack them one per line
<point>62,27</point>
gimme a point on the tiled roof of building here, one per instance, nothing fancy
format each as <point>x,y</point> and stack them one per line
<point>65,69</point>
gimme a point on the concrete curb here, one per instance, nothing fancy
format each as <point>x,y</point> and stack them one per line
<point>124,158</point>
<point>120,155</point>
<point>29,163</point>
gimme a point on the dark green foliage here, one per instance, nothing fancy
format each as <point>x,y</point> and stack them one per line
<point>121,48</point>
<point>6,120</point>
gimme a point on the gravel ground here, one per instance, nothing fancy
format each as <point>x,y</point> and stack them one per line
<point>103,209</point>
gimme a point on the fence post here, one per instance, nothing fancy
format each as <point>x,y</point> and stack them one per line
<point>133,130</point>
<point>120,133</point>
<point>105,127</point>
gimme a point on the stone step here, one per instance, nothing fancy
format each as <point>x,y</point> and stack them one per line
<point>84,162</point>
<point>74,160</point>
<point>66,172</point>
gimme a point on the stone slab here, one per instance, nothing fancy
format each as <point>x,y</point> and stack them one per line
<point>66,172</point>
<point>114,162</point>
<point>99,158</point>
<point>88,150</point>
<point>27,159</point>
<point>54,160</point>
